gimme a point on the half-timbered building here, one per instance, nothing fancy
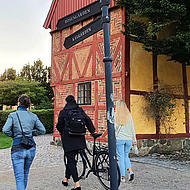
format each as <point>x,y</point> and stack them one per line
<point>79,71</point>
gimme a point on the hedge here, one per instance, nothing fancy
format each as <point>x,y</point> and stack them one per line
<point>45,116</point>
<point>3,118</point>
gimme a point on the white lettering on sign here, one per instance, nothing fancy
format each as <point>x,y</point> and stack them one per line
<point>81,34</point>
<point>74,17</point>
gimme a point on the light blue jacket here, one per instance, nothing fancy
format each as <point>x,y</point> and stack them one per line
<point>30,122</point>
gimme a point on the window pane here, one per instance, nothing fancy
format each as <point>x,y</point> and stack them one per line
<point>84,93</point>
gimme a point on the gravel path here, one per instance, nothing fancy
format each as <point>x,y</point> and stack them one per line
<point>47,171</point>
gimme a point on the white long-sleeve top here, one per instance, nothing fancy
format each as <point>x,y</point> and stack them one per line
<point>125,132</point>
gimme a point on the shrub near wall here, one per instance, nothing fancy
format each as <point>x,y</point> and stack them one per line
<point>3,118</point>
<point>45,116</point>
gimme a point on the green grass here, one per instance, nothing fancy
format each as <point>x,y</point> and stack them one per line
<point>5,142</point>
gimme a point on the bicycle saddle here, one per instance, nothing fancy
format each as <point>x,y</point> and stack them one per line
<point>96,135</point>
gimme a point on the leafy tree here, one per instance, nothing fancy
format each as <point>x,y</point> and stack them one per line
<point>26,72</point>
<point>49,71</point>
<point>38,73</point>
<point>42,74</point>
<point>33,80</point>
<point>3,77</point>
<point>162,26</point>
<point>9,74</point>
<point>44,105</point>
<point>10,90</point>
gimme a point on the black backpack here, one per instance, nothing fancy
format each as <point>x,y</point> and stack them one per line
<point>75,123</point>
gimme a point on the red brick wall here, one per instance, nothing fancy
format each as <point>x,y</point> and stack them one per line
<point>83,62</point>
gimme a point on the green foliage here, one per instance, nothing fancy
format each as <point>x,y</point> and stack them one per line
<point>38,73</point>
<point>49,91</point>
<point>163,26</point>
<point>26,72</point>
<point>3,76</point>
<point>44,105</point>
<point>5,142</point>
<point>45,116</point>
<point>32,80</point>
<point>10,90</point>
<point>9,74</point>
<point>3,118</point>
<point>160,105</point>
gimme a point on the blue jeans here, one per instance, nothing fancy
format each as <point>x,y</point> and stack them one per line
<point>123,148</point>
<point>22,161</point>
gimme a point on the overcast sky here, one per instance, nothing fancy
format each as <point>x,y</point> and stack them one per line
<point>22,36</point>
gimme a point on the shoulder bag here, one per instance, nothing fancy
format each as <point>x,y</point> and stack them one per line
<point>26,142</point>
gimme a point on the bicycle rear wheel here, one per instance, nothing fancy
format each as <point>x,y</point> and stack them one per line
<point>102,169</point>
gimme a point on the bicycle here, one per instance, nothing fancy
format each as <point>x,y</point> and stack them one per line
<point>99,165</point>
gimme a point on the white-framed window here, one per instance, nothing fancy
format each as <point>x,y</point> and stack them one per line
<point>84,93</point>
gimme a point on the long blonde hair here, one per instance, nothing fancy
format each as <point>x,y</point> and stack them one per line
<point>121,113</point>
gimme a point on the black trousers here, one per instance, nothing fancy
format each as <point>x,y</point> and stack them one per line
<point>71,169</point>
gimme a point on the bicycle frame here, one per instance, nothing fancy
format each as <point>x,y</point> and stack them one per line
<point>99,165</point>
<point>83,154</point>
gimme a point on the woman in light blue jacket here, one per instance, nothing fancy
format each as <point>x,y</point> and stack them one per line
<point>21,157</point>
<point>125,138</point>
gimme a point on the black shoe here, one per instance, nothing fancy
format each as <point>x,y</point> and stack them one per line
<point>65,183</point>
<point>131,178</point>
<point>78,188</point>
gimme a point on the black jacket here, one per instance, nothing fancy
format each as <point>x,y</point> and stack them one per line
<point>72,142</point>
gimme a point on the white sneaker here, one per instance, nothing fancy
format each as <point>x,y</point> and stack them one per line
<point>123,180</point>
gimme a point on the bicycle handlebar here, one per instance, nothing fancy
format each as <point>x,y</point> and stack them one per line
<point>96,135</point>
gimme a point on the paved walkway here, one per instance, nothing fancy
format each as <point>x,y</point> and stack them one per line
<point>47,171</point>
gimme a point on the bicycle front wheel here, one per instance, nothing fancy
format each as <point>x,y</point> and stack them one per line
<point>81,165</point>
<point>102,169</point>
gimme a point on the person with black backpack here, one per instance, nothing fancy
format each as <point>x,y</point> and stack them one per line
<point>72,123</point>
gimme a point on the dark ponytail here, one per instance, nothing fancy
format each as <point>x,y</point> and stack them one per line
<point>24,100</point>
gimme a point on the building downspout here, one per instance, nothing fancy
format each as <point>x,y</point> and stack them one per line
<point>127,64</point>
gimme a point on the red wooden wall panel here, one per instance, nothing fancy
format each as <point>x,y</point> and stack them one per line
<point>61,8</point>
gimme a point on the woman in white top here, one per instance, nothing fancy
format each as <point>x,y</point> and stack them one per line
<point>125,138</point>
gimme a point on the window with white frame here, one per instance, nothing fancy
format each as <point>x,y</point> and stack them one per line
<point>84,93</point>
